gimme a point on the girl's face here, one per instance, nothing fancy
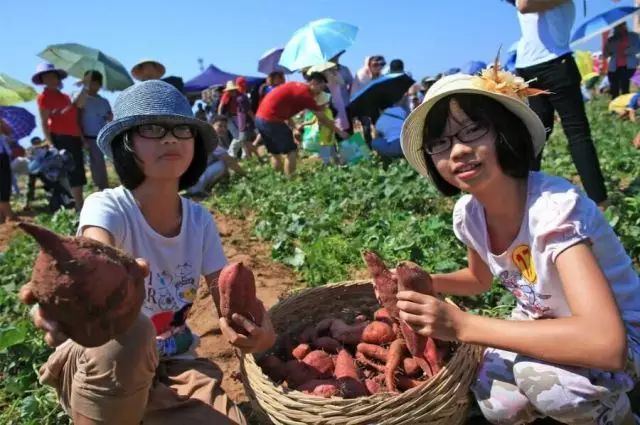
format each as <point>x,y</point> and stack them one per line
<point>163,158</point>
<point>466,152</point>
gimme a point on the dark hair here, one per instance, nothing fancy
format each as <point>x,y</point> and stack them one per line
<point>219,118</point>
<point>396,65</point>
<point>36,139</point>
<point>96,76</point>
<point>514,147</point>
<point>130,174</point>
<point>318,77</point>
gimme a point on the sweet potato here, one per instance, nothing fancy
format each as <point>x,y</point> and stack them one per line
<point>396,352</point>
<point>274,368</point>
<point>384,283</point>
<point>362,359</point>
<point>321,387</point>
<point>308,334</point>
<point>382,315</point>
<point>94,291</point>
<point>320,362</point>
<point>301,351</point>
<point>373,387</point>
<point>405,383</point>
<point>298,373</point>
<point>411,367</point>
<point>413,278</point>
<point>327,344</point>
<point>323,328</point>
<point>378,333</point>
<point>346,373</point>
<point>374,352</point>
<point>347,334</point>
<point>237,288</point>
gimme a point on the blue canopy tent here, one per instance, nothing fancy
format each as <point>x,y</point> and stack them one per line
<point>213,76</point>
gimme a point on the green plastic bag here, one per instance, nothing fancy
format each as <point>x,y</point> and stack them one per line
<point>310,135</point>
<point>354,149</point>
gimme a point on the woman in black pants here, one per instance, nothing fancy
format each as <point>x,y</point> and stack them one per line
<point>5,174</point>
<point>621,49</point>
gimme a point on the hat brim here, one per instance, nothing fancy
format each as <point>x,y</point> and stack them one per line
<point>117,127</point>
<point>37,77</point>
<point>412,135</point>
<point>137,68</point>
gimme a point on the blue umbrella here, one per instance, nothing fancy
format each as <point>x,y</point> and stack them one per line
<point>21,121</point>
<point>601,23</point>
<point>317,42</point>
<point>510,59</point>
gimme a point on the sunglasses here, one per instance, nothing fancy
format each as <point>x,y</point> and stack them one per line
<point>158,131</point>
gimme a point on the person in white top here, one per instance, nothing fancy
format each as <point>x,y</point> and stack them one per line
<point>149,374</point>
<point>571,350</point>
<point>545,58</point>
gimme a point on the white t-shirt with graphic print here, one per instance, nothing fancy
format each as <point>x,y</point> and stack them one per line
<point>175,263</point>
<point>557,216</point>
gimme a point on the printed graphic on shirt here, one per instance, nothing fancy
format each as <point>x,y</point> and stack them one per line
<point>169,297</point>
<point>523,260</point>
<point>528,299</point>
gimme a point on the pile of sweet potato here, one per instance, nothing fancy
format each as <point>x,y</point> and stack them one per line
<point>371,354</point>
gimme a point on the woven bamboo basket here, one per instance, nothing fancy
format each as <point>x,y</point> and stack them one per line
<point>444,399</point>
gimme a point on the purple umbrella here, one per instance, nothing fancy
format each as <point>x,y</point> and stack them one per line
<point>636,78</point>
<point>268,63</point>
<point>21,121</point>
<point>213,76</point>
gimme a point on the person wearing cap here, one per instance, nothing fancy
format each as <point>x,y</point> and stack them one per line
<point>544,57</point>
<point>571,350</point>
<point>148,69</point>
<point>150,373</point>
<point>60,123</point>
<point>243,120</point>
<point>94,114</point>
<point>275,113</point>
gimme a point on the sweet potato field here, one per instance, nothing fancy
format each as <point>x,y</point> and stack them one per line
<point>318,223</point>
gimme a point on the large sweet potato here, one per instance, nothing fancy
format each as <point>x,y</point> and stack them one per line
<point>95,291</point>
<point>237,288</point>
<point>378,333</point>
<point>320,362</point>
<point>346,373</point>
<point>384,284</point>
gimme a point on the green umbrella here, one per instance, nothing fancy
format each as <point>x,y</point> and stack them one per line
<point>13,91</point>
<point>77,59</point>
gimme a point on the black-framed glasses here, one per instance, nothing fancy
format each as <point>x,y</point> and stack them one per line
<point>158,131</point>
<point>467,134</point>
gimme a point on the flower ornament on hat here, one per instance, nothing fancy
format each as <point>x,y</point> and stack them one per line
<point>502,86</point>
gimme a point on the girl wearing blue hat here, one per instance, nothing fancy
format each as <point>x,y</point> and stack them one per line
<point>150,373</point>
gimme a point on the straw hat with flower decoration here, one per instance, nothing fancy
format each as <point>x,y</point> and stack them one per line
<point>508,89</point>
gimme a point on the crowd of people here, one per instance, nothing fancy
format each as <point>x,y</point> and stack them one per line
<point>483,134</point>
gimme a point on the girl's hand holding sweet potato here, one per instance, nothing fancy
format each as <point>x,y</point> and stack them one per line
<point>257,338</point>
<point>429,316</point>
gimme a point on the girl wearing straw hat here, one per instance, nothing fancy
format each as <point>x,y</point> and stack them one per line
<point>542,239</point>
<point>150,372</point>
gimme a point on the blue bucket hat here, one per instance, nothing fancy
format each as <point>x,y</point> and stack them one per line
<point>152,102</point>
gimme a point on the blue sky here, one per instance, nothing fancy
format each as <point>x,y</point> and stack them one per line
<point>429,35</point>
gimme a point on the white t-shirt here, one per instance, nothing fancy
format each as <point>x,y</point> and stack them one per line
<point>545,35</point>
<point>557,216</point>
<point>176,263</point>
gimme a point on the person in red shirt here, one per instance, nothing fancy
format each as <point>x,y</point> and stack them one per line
<point>60,125</point>
<point>278,107</point>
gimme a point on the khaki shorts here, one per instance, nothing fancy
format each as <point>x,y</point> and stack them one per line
<point>123,382</point>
